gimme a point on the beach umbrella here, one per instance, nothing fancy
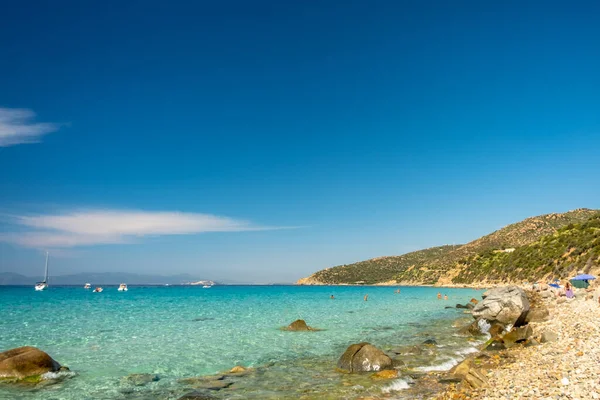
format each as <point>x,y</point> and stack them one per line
<point>583,277</point>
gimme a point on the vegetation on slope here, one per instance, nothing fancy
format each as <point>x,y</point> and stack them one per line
<point>380,269</point>
<point>576,247</point>
<point>441,264</point>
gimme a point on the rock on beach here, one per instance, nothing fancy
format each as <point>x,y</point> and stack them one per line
<point>506,305</point>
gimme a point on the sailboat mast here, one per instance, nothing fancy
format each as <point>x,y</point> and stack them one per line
<point>46,273</point>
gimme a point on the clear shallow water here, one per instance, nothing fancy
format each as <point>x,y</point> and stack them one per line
<point>179,332</point>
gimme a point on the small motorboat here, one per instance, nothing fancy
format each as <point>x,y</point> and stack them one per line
<point>122,287</point>
<point>87,286</point>
<point>206,286</point>
<point>98,290</point>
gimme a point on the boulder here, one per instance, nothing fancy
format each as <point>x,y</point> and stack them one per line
<point>466,373</point>
<point>538,314</point>
<point>507,305</point>
<point>298,325</point>
<point>494,344</point>
<point>549,336</point>
<point>27,361</point>
<point>364,357</point>
<point>517,335</point>
<point>474,301</point>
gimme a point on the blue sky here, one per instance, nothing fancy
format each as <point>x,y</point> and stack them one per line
<point>262,141</point>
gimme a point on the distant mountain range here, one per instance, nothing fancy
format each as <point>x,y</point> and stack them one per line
<point>537,248</point>
<point>104,278</point>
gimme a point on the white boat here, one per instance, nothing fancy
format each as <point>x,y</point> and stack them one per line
<point>44,284</point>
<point>87,286</point>
<point>206,286</point>
<point>122,287</point>
<point>98,290</point>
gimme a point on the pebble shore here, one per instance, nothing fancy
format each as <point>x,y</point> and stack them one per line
<point>568,368</point>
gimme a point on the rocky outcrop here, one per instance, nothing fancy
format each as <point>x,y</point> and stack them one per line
<point>364,357</point>
<point>24,362</point>
<point>507,305</point>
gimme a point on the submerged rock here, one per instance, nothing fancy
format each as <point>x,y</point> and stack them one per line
<point>197,395</point>
<point>429,342</point>
<point>385,374</point>
<point>140,379</point>
<point>299,325</point>
<point>364,357</point>
<point>507,305</point>
<point>27,362</point>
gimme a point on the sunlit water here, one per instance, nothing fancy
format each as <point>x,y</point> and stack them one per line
<point>180,332</point>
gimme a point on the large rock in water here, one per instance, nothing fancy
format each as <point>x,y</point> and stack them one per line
<point>506,305</point>
<point>364,357</point>
<point>24,362</point>
<point>299,325</point>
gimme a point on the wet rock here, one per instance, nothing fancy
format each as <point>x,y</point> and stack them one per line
<point>364,357</point>
<point>461,306</point>
<point>496,330</point>
<point>386,374</point>
<point>299,325</point>
<point>517,335</point>
<point>474,301</point>
<point>197,380</point>
<point>430,342</point>
<point>140,379</point>
<point>407,350</point>
<point>549,336</point>
<point>398,363</point>
<point>237,369</point>
<point>494,344</point>
<point>506,305</point>
<point>213,385</point>
<point>471,329</point>
<point>25,362</point>
<point>197,395</point>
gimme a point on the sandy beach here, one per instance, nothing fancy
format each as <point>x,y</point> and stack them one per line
<point>565,368</point>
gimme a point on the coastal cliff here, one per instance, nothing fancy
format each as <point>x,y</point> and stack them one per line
<point>551,245</point>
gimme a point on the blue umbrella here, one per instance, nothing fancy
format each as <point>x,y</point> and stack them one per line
<point>583,277</point>
<point>554,285</point>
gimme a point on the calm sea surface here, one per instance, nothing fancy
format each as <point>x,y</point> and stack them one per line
<point>180,332</point>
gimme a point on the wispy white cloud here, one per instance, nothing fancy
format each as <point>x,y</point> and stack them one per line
<point>93,227</point>
<point>17,126</point>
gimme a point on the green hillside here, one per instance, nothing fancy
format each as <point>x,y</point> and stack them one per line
<point>380,269</point>
<point>451,264</point>
<point>576,247</point>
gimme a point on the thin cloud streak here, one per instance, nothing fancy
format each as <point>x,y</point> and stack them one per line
<point>96,227</point>
<point>17,127</point>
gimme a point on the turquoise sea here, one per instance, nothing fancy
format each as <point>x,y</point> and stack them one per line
<point>179,332</point>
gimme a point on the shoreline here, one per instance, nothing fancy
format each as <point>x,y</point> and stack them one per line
<point>564,366</point>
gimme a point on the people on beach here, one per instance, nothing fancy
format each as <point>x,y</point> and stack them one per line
<point>439,296</point>
<point>445,297</point>
<point>366,297</point>
<point>569,291</point>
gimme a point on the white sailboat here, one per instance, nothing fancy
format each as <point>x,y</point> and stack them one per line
<point>122,287</point>
<point>44,284</point>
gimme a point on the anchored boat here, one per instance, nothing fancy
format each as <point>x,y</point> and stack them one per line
<point>44,284</point>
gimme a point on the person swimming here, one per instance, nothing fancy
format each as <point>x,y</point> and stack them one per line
<point>331,297</point>
<point>445,297</point>
<point>366,297</point>
<point>439,296</point>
